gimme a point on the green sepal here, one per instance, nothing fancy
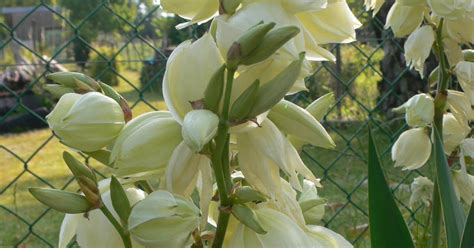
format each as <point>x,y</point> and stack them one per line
<point>62,201</point>
<point>468,55</point>
<point>274,90</point>
<point>434,76</point>
<point>247,217</point>
<point>110,92</point>
<point>272,41</point>
<point>119,200</point>
<point>103,156</point>
<point>214,90</point>
<point>229,6</point>
<point>244,103</point>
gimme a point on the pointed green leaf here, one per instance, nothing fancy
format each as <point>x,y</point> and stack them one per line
<point>452,210</point>
<point>62,201</point>
<point>468,234</point>
<point>247,217</point>
<point>387,226</point>
<point>119,200</point>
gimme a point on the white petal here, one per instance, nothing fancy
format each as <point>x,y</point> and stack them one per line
<point>68,229</point>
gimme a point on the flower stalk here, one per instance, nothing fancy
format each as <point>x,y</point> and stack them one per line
<point>440,104</point>
<point>220,164</point>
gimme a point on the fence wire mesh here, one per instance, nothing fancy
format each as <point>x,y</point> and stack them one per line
<point>132,54</point>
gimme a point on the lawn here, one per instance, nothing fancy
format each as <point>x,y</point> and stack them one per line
<point>343,171</point>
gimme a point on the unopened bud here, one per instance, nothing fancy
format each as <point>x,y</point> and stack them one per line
<point>244,103</point>
<point>247,43</point>
<point>272,41</point>
<point>199,127</point>
<point>77,168</point>
<point>247,217</point>
<point>74,80</point>
<point>63,201</point>
<point>57,90</point>
<point>214,90</point>
<point>90,190</point>
<point>419,110</point>
<point>274,90</point>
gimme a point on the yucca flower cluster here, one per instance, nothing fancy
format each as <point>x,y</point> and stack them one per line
<point>444,27</point>
<point>224,159</point>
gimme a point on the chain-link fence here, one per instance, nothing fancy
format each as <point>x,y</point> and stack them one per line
<point>125,44</point>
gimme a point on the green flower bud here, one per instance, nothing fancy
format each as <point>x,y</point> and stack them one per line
<point>247,43</point>
<point>163,220</point>
<point>248,194</point>
<point>110,92</point>
<point>77,168</point>
<point>79,82</point>
<point>146,143</point>
<point>244,103</point>
<point>86,122</point>
<point>272,41</point>
<point>296,121</point>
<point>62,201</point>
<point>434,76</point>
<point>247,217</point>
<point>199,127</point>
<point>214,90</point>
<point>274,90</point>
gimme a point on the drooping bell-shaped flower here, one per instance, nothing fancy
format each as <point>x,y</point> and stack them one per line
<point>146,143</point>
<point>421,191</point>
<point>465,74</point>
<point>459,105</point>
<point>96,230</point>
<point>412,149</point>
<point>281,231</point>
<point>86,122</point>
<point>419,110</point>
<point>404,18</point>
<point>311,204</point>
<point>163,220</point>
<point>199,127</point>
<point>418,48</point>
<point>454,132</point>
<point>196,11</point>
<point>463,185</point>
<point>456,28</point>
<point>449,9</point>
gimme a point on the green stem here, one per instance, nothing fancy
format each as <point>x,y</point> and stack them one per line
<point>124,234</point>
<point>220,164</point>
<point>440,104</point>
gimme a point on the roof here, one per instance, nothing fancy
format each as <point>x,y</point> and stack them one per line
<point>20,10</point>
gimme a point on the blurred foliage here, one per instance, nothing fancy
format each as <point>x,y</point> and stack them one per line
<point>104,67</point>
